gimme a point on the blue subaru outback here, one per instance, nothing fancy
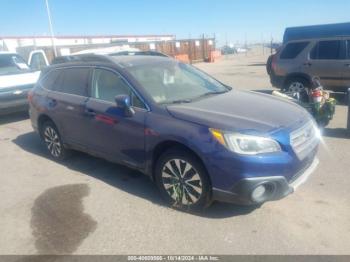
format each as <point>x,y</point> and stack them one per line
<point>198,139</point>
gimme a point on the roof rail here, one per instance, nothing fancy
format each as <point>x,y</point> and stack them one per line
<point>80,58</point>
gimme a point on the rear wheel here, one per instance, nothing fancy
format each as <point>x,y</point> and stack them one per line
<point>182,180</point>
<point>298,88</point>
<point>53,142</point>
<point>269,65</point>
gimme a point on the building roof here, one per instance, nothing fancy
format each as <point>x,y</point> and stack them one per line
<point>87,36</point>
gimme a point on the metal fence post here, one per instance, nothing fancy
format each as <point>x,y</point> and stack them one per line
<point>348,109</point>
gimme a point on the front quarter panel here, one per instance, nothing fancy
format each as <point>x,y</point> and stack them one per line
<point>161,127</point>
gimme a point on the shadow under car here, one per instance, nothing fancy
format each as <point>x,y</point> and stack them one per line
<point>121,177</point>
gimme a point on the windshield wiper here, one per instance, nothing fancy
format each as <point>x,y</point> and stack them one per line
<point>213,93</point>
<point>179,101</point>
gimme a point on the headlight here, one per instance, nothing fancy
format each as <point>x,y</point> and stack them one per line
<point>246,144</point>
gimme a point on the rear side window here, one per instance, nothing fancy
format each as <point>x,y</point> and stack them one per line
<point>292,50</point>
<point>326,50</point>
<point>74,81</point>
<point>50,80</point>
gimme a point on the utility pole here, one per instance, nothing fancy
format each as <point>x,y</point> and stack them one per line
<point>245,44</point>
<point>271,45</point>
<point>51,30</point>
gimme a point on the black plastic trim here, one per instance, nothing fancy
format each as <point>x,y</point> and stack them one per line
<point>241,192</point>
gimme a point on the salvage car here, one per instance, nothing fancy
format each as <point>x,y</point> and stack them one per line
<point>198,139</point>
<point>17,78</point>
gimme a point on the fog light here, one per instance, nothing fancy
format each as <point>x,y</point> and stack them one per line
<point>258,193</point>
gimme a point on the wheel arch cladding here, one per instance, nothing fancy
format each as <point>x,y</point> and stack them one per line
<point>43,119</point>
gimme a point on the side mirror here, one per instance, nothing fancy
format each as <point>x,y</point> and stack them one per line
<point>124,104</point>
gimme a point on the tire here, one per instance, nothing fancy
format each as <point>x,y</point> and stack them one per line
<point>53,141</point>
<point>182,180</point>
<point>269,65</point>
<point>298,85</point>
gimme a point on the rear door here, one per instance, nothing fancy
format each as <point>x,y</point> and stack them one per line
<point>67,101</point>
<point>114,135</point>
<point>326,60</point>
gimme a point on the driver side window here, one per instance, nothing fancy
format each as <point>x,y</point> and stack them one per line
<point>106,85</point>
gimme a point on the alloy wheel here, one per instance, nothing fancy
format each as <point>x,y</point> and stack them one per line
<point>182,182</point>
<point>52,141</point>
<point>296,88</point>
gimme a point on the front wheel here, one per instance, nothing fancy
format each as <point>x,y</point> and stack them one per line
<point>182,180</point>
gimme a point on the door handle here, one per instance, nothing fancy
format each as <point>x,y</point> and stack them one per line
<point>90,112</point>
<point>347,65</point>
<point>307,64</point>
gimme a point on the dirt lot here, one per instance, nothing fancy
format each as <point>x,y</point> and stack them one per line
<point>90,206</point>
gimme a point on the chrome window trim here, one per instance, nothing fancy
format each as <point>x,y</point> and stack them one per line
<point>147,108</point>
<point>113,104</point>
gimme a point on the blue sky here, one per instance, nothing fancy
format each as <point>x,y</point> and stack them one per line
<point>233,20</point>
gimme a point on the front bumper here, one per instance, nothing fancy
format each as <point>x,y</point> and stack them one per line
<point>276,187</point>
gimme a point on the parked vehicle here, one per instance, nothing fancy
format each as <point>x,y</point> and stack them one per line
<point>197,138</point>
<point>17,78</point>
<point>309,52</point>
<point>228,50</point>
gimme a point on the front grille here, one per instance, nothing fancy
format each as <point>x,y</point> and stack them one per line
<point>307,162</point>
<point>304,140</point>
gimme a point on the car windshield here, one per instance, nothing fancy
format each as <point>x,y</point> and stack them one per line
<point>12,64</point>
<point>175,82</point>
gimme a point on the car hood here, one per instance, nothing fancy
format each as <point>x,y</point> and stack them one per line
<point>16,80</point>
<point>241,111</point>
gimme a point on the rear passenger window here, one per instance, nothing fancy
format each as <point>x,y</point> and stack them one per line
<point>326,50</point>
<point>292,50</point>
<point>74,81</point>
<point>50,80</point>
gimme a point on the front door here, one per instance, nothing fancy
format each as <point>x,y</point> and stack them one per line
<point>116,136</point>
